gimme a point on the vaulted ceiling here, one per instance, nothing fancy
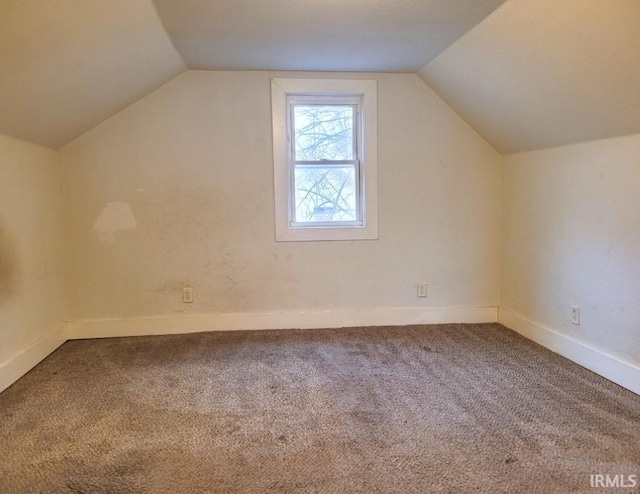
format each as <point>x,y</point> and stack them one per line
<point>67,65</point>
<point>318,35</point>
<point>526,74</point>
<point>543,73</point>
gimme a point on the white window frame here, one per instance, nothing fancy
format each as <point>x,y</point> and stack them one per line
<point>362,93</point>
<point>354,101</point>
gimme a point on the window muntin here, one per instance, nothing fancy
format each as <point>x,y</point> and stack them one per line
<point>324,161</point>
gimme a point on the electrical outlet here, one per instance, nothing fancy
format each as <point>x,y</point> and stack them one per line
<point>187,295</point>
<point>575,315</point>
<point>422,290</point>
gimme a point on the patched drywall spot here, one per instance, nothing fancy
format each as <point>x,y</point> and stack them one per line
<point>115,217</point>
<point>8,266</point>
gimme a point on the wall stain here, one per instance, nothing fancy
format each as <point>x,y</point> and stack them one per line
<point>171,286</point>
<point>115,217</point>
<point>9,266</point>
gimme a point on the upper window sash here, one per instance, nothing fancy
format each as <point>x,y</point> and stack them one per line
<point>297,100</point>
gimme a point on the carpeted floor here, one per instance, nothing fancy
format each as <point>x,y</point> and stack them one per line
<point>447,408</point>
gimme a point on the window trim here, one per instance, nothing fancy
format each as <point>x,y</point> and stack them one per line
<point>366,90</point>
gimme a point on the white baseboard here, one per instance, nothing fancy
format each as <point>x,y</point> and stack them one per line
<point>623,373</point>
<point>178,324</point>
<point>21,363</point>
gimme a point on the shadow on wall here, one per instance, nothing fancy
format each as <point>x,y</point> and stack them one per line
<point>8,266</point>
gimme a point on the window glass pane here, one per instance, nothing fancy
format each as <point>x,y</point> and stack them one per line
<point>325,193</point>
<point>323,132</point>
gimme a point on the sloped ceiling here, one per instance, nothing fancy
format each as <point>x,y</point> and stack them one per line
<point>319,35</point>
<point>532,74</point>
<point>542,73</point>
<point>66,65</point>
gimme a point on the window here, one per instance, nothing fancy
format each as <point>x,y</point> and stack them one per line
<point>325,159</point>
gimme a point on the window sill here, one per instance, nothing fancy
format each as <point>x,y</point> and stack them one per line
<point>318,234</point>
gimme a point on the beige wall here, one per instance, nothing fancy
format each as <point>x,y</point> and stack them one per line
<point>572,237</point>
<point>176,190</point>
<point>31,261</point>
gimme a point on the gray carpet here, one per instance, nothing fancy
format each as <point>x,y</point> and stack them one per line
<point>447,408</point>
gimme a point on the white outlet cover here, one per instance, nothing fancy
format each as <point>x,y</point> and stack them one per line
<point>187,295</point>
<point>422,290</point>
<point>575,315</point>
